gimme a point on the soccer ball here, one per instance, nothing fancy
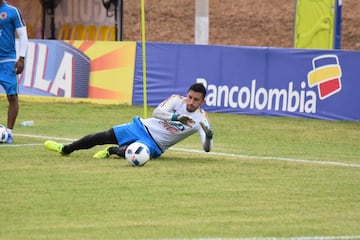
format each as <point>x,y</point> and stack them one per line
<point>3,134</point>
<point>137,154</point>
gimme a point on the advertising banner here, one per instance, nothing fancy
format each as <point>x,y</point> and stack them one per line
<point>98,70</point>
<point>111,69</point>
<point>263,81</point>
<point>54,68</point>
<point>316,24</point>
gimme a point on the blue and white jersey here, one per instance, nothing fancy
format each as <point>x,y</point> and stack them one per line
<point>10,19</point>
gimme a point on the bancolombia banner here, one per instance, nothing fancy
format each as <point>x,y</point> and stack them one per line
<point>320,84</point>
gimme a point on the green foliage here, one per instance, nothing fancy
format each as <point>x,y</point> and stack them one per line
<point>182,194</point>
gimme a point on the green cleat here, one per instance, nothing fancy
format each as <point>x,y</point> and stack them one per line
<point>54,146</point>
<point>103,153</point>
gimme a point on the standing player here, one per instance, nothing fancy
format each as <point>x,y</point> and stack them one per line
<point>11,21</point>
<point>173,120</point>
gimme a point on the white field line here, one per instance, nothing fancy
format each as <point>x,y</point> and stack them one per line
<point>46,137</point>
<point>276,238</point>
<point>202,152</point>
<point>270,158</point>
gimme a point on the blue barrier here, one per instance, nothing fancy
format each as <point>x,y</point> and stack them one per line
<point>255,80</point>
<point>241,80</point>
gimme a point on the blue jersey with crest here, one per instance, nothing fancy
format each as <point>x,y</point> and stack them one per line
<point>10,19</point>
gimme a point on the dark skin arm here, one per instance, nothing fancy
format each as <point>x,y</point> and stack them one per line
<point>19,65</point>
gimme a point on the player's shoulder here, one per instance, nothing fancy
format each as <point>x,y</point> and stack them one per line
<point>8,8</point>
<point>171,100</point>
<point>176,97</point>
<point>202,112</point>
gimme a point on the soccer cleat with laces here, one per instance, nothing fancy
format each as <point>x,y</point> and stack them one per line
<point>54,146</point>
<point>103,153</point>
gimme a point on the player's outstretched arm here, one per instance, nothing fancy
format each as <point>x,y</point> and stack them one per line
<point>162,114</point>
<point>207,141</point>
<point>165,115</point>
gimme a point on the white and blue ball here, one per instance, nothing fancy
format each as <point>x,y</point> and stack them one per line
<point>3,134</point>
<point>137,154</point>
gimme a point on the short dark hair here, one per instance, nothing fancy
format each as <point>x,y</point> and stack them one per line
<point>198,87</point>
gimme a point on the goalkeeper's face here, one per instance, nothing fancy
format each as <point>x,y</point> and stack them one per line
<point>194,100</point>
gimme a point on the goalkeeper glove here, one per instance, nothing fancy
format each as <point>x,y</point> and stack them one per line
<point>184,119</point>
<point>205,125</point>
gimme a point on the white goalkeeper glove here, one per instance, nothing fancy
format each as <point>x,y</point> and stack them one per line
<point>205,125</point>
<point>184,119</point>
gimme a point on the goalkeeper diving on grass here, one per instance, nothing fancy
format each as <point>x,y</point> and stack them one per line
<point>173,120</point>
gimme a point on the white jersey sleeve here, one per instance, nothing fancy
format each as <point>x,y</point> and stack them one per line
<point>166,132</point>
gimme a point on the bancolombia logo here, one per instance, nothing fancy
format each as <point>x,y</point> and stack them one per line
<point>325,75</point>
<point>288,100</point>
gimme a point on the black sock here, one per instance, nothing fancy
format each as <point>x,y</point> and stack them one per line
<point>91,140</point>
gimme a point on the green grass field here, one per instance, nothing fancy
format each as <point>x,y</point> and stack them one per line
<point>267,177</point>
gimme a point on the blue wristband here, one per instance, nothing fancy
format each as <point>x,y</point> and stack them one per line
<point>174,117</point>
